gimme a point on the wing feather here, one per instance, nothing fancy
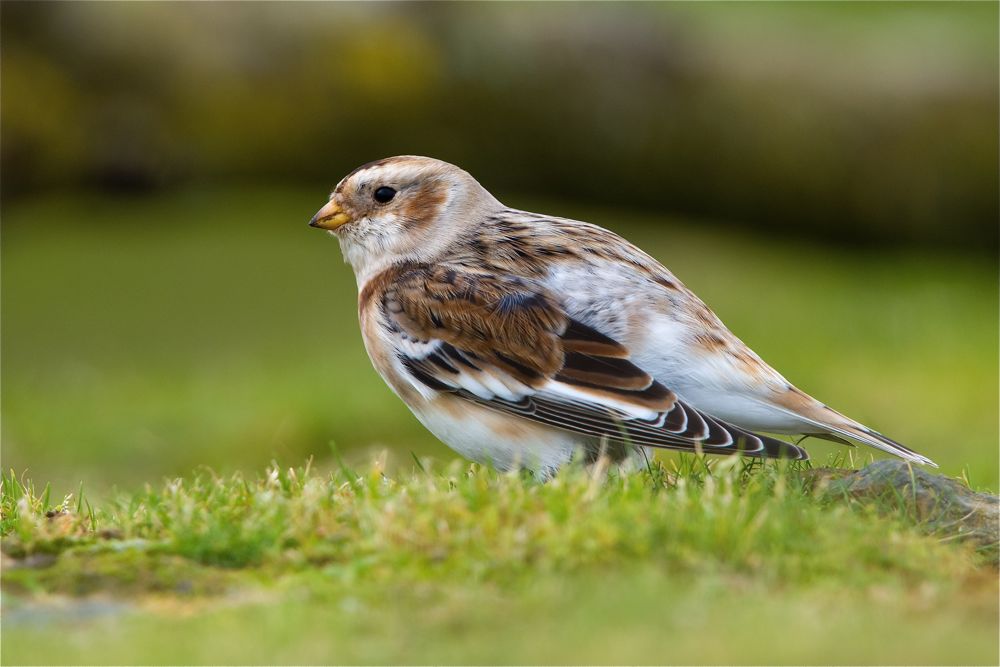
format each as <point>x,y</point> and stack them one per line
<point>506,344</point>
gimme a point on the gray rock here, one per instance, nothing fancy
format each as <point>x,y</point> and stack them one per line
<point>939,505</point>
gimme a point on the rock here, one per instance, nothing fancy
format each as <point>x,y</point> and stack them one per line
<point>36,561</point>
<point>939,505</point>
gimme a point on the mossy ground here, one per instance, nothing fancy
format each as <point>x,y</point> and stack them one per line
<point>688,561</point>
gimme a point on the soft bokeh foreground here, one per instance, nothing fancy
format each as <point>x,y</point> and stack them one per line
<point>678,564</point>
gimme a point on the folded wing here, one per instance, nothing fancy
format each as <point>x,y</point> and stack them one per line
<point>507,345</point>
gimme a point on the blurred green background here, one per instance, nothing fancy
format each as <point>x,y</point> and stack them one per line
<point>823,175</point>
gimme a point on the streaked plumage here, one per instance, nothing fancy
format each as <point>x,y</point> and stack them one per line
<point>517,338</point>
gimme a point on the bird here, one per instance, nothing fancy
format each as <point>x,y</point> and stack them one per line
<point>523,340</point>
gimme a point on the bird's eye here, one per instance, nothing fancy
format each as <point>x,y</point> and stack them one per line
<point>384,194</point>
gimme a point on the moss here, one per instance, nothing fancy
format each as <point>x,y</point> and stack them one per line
<point>696,516</point>
<point>449,565</point>
<point>125,571</point>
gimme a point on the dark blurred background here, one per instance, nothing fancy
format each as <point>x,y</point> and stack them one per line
<point>852,121</point>
<point>825,175</point>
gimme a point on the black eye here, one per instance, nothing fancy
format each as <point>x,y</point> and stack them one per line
<point>384,194</point>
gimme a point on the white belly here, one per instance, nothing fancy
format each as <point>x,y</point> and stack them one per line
<point>502,441</point>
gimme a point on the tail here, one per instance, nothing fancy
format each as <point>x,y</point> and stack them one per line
<point>832,425</point>
<point>872,438</point>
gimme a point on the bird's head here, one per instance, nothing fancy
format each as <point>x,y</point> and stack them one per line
<point>401,208</point>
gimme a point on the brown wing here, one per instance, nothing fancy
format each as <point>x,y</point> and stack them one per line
<point>507,344</point>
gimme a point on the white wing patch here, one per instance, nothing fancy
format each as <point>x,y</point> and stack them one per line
<point>485,383</point>
<point>560,391</point>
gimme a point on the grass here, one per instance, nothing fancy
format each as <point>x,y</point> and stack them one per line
<point>683,562</point>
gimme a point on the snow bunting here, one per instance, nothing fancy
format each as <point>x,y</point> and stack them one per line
<point>519,339</point>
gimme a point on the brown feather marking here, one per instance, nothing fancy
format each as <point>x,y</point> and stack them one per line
<point>478,315</point>
<point>518,328</point>
<point>750,362</point>
<point>366,166</point>
<point>374,289</point>
<point>422,206</point>
<point>666,282</point>
<point>656,397</point>
<point>605,372</point>
<point>703,314</point>
<point>802,403</point>
<point>581,338</point>
<point>711,342</point>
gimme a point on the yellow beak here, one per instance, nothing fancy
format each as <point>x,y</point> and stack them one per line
<point>329,217</point>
